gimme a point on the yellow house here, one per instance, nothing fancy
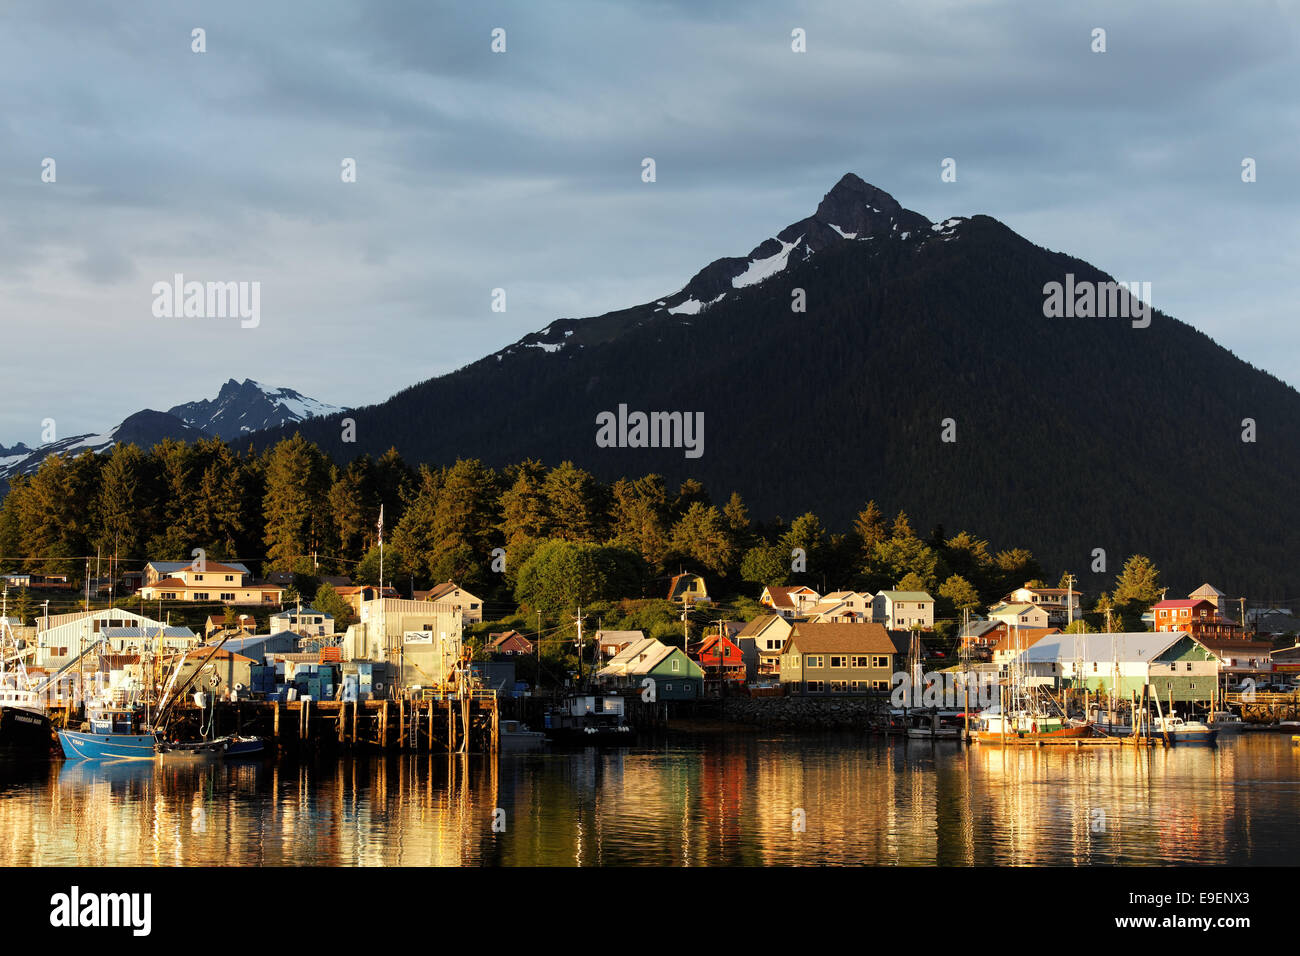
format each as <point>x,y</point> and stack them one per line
<point>209,581</point>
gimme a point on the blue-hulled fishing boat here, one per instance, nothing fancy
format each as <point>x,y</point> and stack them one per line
<point>115,734</point>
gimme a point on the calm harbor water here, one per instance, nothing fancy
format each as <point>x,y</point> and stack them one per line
<point>719,800</point>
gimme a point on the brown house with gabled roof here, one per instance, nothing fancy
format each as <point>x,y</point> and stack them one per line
<point>509,643</point>
<point>838,659</point>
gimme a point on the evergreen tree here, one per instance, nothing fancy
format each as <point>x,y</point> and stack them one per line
<point>638,517</point>
<point>524,515</point>
<point>702,537</point>
<point>296,506</point>
<point>573,499</point>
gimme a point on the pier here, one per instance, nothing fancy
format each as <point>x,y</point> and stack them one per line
<point>433,722</point>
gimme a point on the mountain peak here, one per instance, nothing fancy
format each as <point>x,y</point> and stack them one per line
<point>851,194</point>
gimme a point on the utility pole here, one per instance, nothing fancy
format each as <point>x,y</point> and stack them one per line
<point>1069,600</point>
<point>579,643</point>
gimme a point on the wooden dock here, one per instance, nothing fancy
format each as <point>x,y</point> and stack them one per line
<point>433,722</point>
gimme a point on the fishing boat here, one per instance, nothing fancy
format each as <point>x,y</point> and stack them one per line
<point>111,733</point>
<point>1182,731</point>
<point>588,719</point>
<point>1226,722</point>
<point>1027,724</point>
<point>515,736</point>
<point>244,746</point>
<point>124,730</point>
<point>24,724</point>
<point>936,725</point>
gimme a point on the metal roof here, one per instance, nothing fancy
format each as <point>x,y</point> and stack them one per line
<point>1127,646</point>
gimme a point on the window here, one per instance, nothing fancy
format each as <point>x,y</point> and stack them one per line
<point>200,595</point>
<point>1189,665</point>
<point>861,660</point>
<point>168,595</point>
<point>839,661</point>
<point>677,665</point>
<point>880,685</point>
<point>813,660</point>
<point>668,686</point>
<point>1164,613</point>
<point>879,660</point>
<point>198,577</point>
<point>859,686</point>
<point>227,595</point>
<point>230,577</point>
<point>813,686</point>
<point>839,687</point>
<point>794,660</point>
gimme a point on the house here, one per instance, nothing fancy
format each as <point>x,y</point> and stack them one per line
<point>860,603</point>
<point>508,643</point>
<point>675,676</point>
<point>219,622</point>
<point>978,638</point>
<point>611,642</point>
<point>1208,592</point>
<point>760,642</point>
<point>1020,615</point>
<point>1173,662</point>
<point>1062,605</point>
<point>306,621</point>
<point>718,654</point>
<point>358,594</point>
<point>789,602</point>
<point>1197,616</point>
<point>470,607</point>
<point>900,610</point>
<point>688,588</point>
<point>837,659</point>
<point>837,612</point>
<point>216,583</point>
<point>1011,641</point>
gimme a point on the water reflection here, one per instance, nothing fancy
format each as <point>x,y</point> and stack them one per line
<point>724,801</point>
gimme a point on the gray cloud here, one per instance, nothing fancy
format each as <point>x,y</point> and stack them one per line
<point>522,170</point>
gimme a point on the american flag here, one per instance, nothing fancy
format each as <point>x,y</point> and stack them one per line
<point>381,524</point>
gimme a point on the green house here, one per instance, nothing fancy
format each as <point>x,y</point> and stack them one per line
<point>675,676</point>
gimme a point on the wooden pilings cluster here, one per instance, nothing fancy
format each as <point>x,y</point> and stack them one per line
<point>447,725</point>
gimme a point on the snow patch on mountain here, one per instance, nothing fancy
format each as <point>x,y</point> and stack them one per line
<point>760,269</point>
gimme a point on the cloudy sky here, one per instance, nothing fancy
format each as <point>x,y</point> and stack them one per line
<point>522,169</point>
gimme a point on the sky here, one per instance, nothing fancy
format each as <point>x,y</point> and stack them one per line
<point>522,170</point>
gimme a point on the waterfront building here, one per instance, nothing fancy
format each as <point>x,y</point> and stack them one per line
<point>1172,662</point>
<point>676,677</point>
<point>1061,604</point>
<point>837,659</point>
<point>422,638</point>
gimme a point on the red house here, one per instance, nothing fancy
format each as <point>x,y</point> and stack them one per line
<point>1199,618</point>
<point>719,654</point>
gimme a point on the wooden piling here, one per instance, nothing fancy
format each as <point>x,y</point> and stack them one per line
<point>383,725</point>
<point>275,721</point>
<point>401,724</point>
